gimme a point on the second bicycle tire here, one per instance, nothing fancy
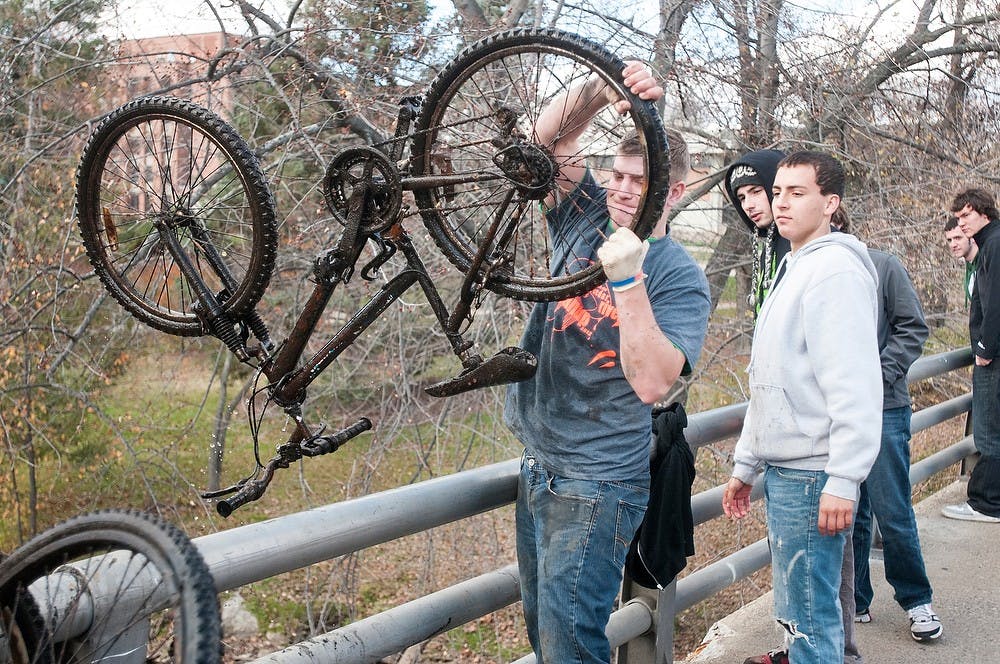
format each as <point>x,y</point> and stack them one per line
<point>514,74</point>
<point>156,594</point>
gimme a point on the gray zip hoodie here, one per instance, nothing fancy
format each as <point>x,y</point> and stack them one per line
<point>815,375</point>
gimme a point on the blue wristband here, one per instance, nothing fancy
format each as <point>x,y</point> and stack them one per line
<point>625,284</point>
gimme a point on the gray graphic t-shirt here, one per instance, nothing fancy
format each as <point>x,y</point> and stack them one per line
<point>578,415</point>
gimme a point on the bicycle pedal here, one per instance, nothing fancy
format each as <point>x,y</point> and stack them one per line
<point>509,365</point>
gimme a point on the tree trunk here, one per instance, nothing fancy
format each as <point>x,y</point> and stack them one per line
<point>958,86</point>
<point>730,253</point>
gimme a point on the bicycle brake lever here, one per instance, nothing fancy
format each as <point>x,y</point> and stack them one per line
<point>386,251</point>
<point>223,492</point>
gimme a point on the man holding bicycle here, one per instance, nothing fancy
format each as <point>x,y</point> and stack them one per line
<point>603,359</point>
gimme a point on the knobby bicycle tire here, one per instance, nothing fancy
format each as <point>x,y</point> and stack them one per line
<point>512,76</point>
<point>115,583</point>
<point>22,631</point>
<point>169,161</point>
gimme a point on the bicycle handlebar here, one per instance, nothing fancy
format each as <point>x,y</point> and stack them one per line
<point>291,451</point>
<point>326,444</point>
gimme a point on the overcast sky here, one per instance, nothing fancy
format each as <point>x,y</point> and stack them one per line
<point>133,19</point>
<point>150,18</point>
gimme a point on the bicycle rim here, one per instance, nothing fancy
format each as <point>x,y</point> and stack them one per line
<point>168,162</point>
<point>516,74</point>
<point>118,585</point>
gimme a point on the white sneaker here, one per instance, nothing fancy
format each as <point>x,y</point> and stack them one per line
<point>965,512</point>
<point>924,623</point>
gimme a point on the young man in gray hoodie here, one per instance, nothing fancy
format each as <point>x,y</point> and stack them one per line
<point>749,183</point>
<point>813,422</point>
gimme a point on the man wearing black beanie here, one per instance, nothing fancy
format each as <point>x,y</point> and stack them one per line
<point>748,185</point>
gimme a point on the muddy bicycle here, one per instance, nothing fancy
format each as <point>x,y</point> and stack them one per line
<point>179,223</point>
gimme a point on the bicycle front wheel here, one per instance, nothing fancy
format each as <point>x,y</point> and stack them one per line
<point>161,171</point>
<point>483,176</point>
<point>120,586</point>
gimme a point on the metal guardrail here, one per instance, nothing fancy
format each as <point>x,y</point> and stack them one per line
<point>645,621</point>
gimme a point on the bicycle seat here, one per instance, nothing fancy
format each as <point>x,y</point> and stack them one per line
<point>509,365</point>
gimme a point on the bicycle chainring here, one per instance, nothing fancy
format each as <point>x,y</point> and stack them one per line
<point>371,169</point>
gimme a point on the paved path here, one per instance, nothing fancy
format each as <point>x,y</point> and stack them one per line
<point>963,563</point>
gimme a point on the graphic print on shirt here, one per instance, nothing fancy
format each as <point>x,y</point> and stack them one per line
<point>584,315</point>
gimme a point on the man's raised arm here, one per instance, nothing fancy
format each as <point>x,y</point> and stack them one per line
<point>566,117</point>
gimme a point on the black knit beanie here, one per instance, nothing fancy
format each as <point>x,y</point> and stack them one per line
<point>742,175</point>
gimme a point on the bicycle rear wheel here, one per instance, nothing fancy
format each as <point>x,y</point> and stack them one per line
<point>474,135</point>
<point>112,585</point>
<point>160,165</point>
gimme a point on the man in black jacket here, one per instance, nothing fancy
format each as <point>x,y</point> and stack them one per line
<point>977,217</point>
<point>748,184</point>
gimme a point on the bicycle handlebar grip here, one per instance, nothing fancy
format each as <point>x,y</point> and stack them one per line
<point>250,492</point>
<point>326,444</point>
<point>359,427</point>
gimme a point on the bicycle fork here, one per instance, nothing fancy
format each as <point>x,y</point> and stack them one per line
<point>209,305</point>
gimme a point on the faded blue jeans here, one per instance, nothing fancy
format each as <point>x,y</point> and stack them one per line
<point>887,494</point>
<point>805,566</point>
<point>572,537</point>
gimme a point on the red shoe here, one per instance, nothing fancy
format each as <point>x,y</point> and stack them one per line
<point>773,657</point>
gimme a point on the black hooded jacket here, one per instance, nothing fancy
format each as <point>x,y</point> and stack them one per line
<point>765,162</point>
<point>984,313</point>
<point>665,539</point>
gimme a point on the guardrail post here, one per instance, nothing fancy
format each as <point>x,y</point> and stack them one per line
<point>663,623</point>
<point>656,645</point>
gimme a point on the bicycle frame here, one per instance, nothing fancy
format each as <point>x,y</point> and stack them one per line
<point>290,384</point>
<point>337,265</point>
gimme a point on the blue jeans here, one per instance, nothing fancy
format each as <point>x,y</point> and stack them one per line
<point>887,494</point>
<point>572,537</point>
<point>984,482</point>
<point>805,566</point>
